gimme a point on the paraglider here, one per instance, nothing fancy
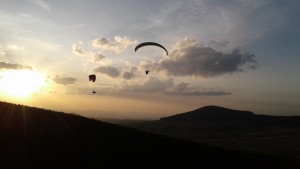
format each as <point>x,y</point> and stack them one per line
<point>93,79</point>
<point>150,44</point>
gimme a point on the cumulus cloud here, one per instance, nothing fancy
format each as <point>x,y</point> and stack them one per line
<point>64,80</point>
<point>108,70</point>
<point>4,65</point>
<point>118,45</point>
<point>190,58</point>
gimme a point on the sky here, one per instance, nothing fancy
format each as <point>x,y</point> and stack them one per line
<point>237,54</point>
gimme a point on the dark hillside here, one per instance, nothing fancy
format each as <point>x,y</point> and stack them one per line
<point>38,138</point>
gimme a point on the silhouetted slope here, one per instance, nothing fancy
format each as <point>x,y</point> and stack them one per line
<point>211,113</point>
<point>38,138</point>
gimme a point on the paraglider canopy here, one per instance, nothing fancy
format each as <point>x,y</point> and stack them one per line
<point>149,44</point>
<point>92,77</point>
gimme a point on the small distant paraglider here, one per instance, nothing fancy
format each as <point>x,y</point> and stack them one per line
<point>150,44</point>
<point>93,79</point>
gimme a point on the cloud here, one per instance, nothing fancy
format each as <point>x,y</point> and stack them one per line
<point>151,85</point>
<point>167,86</point>
<point>108,70</point>
<point>218,45</point>
<point>94,56</point>
<point>129,72</point>
<point>4,65</point>
<point>127,75</point>
<point>78,50</point>
<point>190,58</point>
<point>97,57</point>
<point>7,49</point>
<point>118,46</point>
<point>184,89</point>
<point>64,80</point>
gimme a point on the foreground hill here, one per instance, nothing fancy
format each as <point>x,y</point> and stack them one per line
<point>38,138</point>
<point>232,129</point>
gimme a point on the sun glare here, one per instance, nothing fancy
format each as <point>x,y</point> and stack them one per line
<point>21,83</point>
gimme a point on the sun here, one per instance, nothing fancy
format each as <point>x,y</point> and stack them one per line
<point>21,83</point>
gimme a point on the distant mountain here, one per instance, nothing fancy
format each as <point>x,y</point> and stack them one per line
<point>211,113</point>
<point>38,138</point>
<point>221,114</point>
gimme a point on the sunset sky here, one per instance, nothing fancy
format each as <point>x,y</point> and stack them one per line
<point>239,54</point>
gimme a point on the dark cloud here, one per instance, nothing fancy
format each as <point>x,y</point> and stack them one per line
<point>4,65</point>
<point>189,58</point>
<point>64,80</point>
<point>108,70</point>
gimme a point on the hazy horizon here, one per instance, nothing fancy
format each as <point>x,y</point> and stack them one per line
<point>236,54</point>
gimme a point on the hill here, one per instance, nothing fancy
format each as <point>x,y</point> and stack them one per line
<point>214,113</point>
<point>38,138</point>
<point>232,129</point>
<point>223,115</point>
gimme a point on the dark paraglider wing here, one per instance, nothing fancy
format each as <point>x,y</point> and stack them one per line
<point>151,44</point>
<point>92,77</point>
